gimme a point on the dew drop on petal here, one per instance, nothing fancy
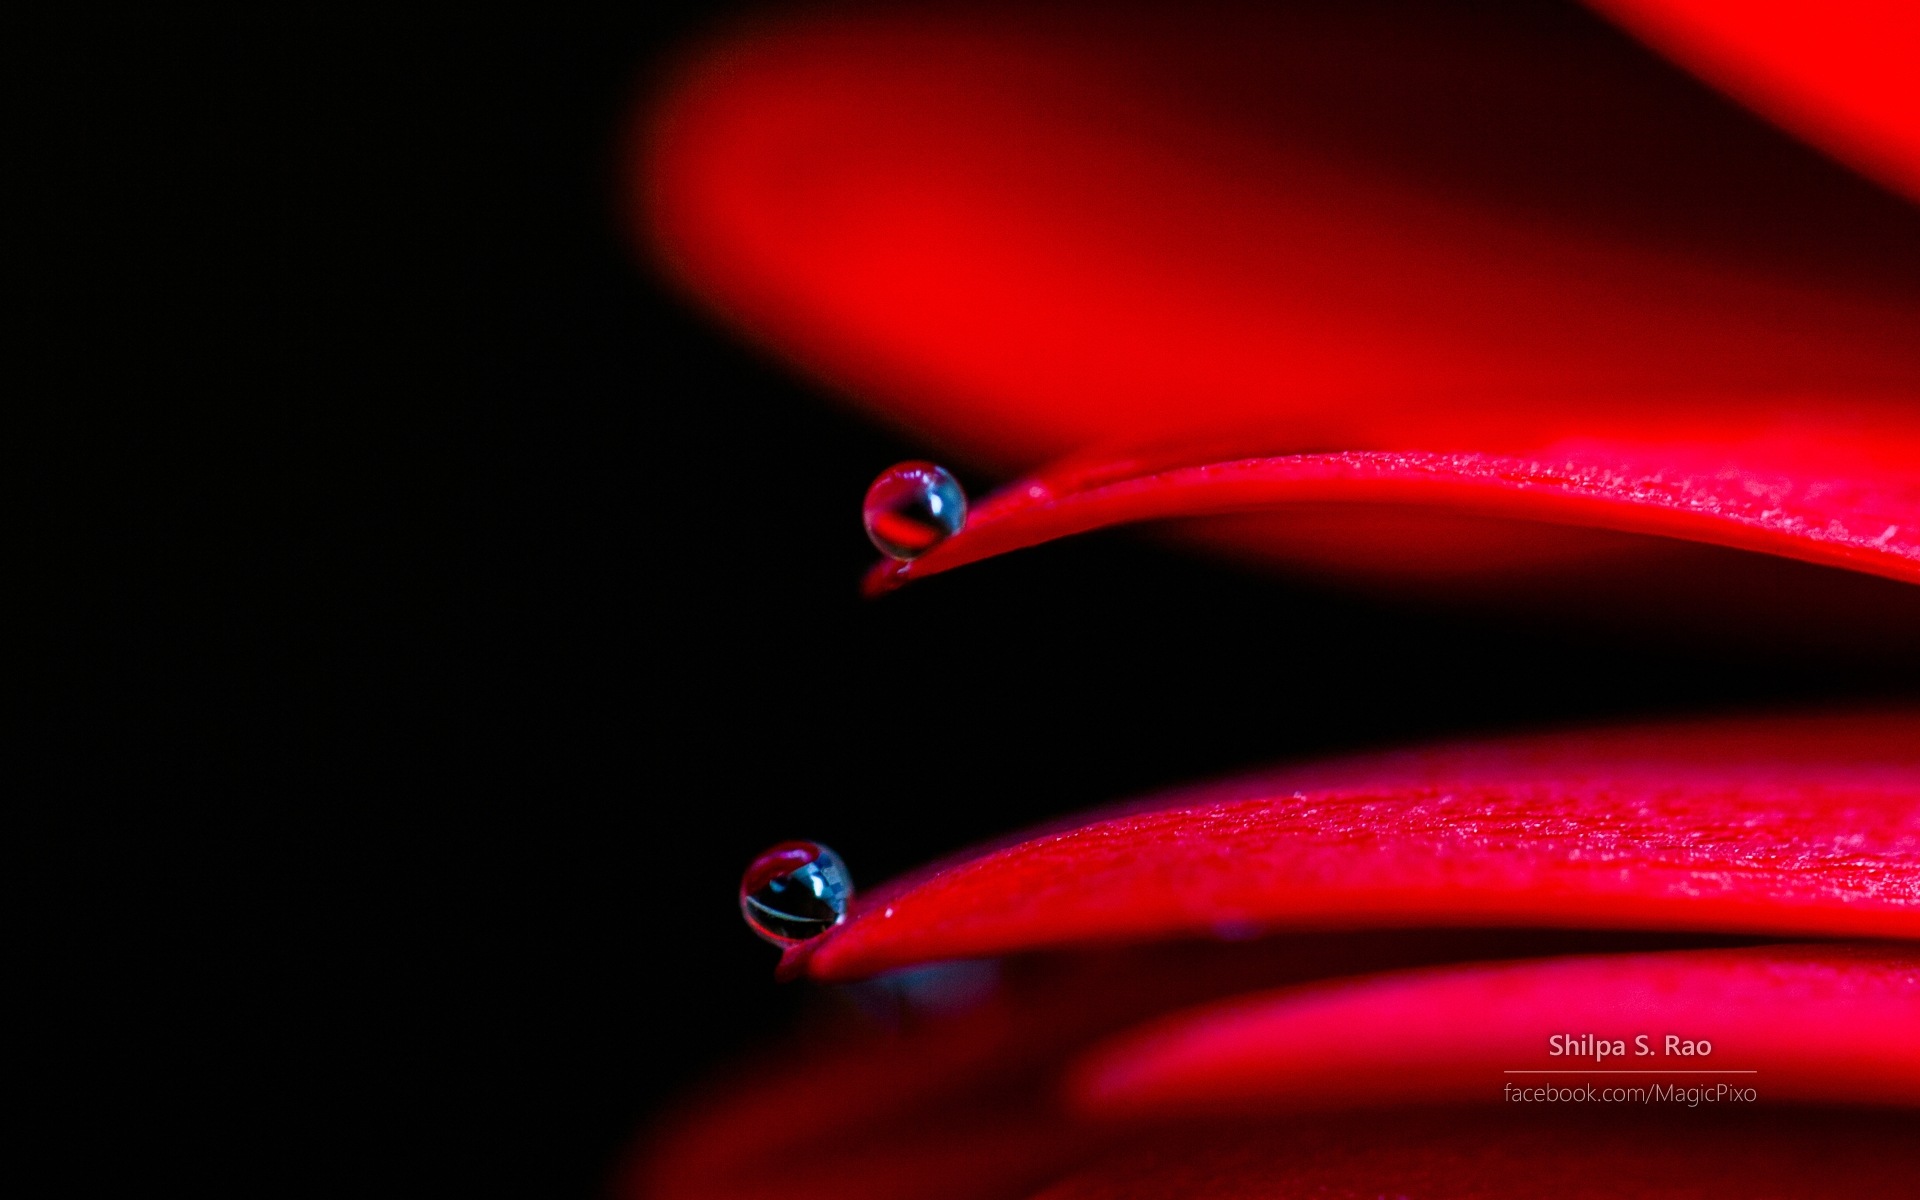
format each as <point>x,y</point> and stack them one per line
<point>795,891</point>
<point>913,507</point>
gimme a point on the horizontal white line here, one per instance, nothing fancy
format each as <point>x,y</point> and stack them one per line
<point>1630,1072</point>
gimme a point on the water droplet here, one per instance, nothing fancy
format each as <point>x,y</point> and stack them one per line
<point>913,507</point>
<point>795,891</point>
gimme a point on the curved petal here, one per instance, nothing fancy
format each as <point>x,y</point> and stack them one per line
<point>1839,73</point>
<point>1804,826</point>
<point>1582,1155</point>
<point>1019,231</point>
<point>1807,1023</point>
<point>1857,513</point>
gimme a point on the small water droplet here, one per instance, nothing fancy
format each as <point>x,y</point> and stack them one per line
<point>795,891</point>
<point>913,507</point>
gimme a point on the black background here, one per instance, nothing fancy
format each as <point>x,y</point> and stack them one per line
<point>448,611</point>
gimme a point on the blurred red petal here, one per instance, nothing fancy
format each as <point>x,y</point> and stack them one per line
<point>917,1095</point>
<point>1806,1023</point>
<point>1021,232</point>
<point>1782,826</point>
<point>958,1101</point>
<point>1579,1155</point>
<point>1839,73</point>
<point>1464,262</point>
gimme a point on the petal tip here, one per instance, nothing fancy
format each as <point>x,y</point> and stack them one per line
<point>885,578</point>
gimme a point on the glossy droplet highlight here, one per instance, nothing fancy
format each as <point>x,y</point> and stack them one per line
<point>795,891</point>
<point>913,507</point>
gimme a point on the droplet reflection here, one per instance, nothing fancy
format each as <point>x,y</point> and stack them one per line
<point>913,507</point>
<point>795,891</point>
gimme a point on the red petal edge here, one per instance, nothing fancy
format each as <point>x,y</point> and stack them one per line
<point>1807,826</point>
<point>1019,231</point>
<point>1865,517</point>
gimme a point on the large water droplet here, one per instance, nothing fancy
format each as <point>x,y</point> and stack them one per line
<point>795,891</point>
<point>913,507</point>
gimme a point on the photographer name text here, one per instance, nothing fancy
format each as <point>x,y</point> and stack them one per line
<point>1642,1045</point>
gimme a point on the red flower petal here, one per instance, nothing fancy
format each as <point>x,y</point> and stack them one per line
<point>1855,513</point>
<point>1822,1023</point>
<point>1498,264</point>
<point>1022,233</point>
<point>1807,826</point>
<point>1839,73</point>
<point>962,1101</point>
<point>1582,1155</point>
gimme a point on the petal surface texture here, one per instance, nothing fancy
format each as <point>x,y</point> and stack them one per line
<point>1839,73</point>
<point>1807,826</point>
<point>1337,509</point>
<point>1810,1023</point>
